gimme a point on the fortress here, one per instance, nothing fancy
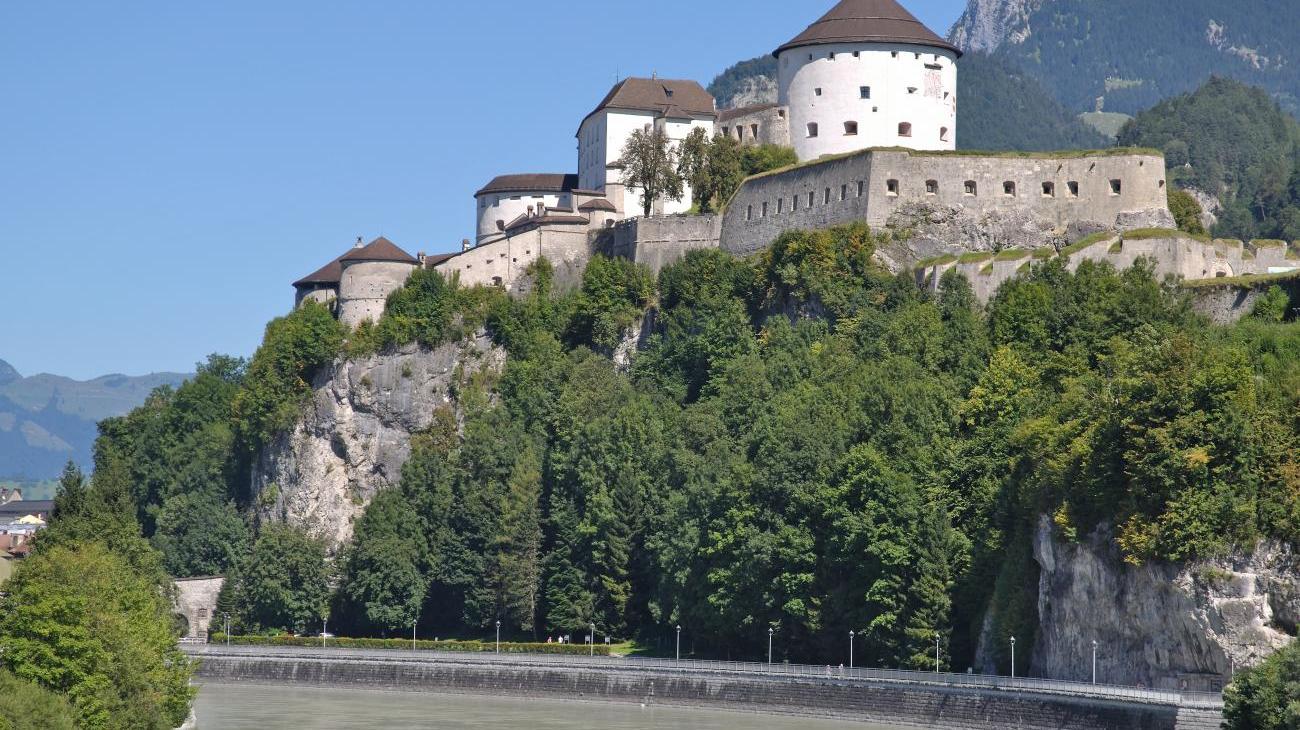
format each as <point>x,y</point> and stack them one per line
<point>867,98</point>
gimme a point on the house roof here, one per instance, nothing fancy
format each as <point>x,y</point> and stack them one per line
<point>527,221</point>
<point>727,115</point>
<point>530,182</point>
<point>380,249</point>
<point>676,98</point>
<point>330,273</point>
<point>597,204</point>
<point>437,258</point>
<point>868,21</point>
<point>24,507</point>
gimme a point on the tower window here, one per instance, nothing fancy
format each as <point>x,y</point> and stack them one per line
<point>764,209</point>
<point>860,188</point>
<point>904,129</point>
<point>749,214</point>
<point>753,130</point>
<point>826,199</point>
<point>812,129</point>
<point>943,134</point>
<point>894,54</point>
<point>831,55</point>
<point>971,188</point>
<point>1073,188</point>
<point>931,187</point>
<point>794,203</point>
<point>780,206</point>
<point>850,128</point>
<point>1049,190</point>
<point>891,187</point>
<point>844,192</point>
<point>864,92</point>
<point>817,91</point>
<point>1116,187</point>
<point>911,89</point>
<point>856,54</point>
<point>812,198</point>
<point>1009,189</point>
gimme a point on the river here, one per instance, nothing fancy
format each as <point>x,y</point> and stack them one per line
<point>266,707</point>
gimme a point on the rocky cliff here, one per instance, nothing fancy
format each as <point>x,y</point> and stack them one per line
<point>987,24</point>
<point>1158,624</point>
<point>355,433</point>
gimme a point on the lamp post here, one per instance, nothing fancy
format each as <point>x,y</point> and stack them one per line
<point>936,652</point>
<point>770,631</point>
<point>413,625</point>
<point>1094,661</point>
<point>227,617</point>
<point>498,636</point>
<point>1013,657</point>
<point>591,639</point>
<point>851,648</point>
<point>324,626</point>
<point>679,643</point>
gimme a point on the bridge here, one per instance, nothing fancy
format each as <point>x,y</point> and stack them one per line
<point>938,701</point>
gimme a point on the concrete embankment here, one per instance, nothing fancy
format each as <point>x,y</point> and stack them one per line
<point>913,704</point>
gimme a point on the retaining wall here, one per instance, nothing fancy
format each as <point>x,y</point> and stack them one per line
<point>899,704</point>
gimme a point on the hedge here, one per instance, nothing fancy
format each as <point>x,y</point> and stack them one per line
<point>343,642</point>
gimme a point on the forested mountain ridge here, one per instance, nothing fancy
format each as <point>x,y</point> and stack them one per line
<point>45,420</point>
<point>1134,53</point>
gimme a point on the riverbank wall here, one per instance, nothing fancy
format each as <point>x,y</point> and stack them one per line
<point>934,707</point>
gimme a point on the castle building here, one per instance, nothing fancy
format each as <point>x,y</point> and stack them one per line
<point>508,197</point>
<point>673,107</point>
<point>868,74</point>
<point>357,283</point>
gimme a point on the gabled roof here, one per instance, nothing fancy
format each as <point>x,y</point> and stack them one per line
<point>330,273</point>
<point>868,21</point>
<point>676,98</point>
<point>598,204</point>
<point>538,182</point>
<point>380,249</point>
<point>26,507</point>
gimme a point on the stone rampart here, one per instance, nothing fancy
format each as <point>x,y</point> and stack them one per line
<point>1046,197</point>
<point>196,600</point>
<point>934,707</point>
<point>504,262</point>
<point>660,241</point>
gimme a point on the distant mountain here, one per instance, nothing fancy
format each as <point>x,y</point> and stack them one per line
<point>47,419</point>
<point>992,91</point>
<point>1127,55</point>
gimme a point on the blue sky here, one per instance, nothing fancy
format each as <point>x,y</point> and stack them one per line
<point>168,168</point>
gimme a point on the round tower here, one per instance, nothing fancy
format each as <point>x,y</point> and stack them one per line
<point>369,274</point>
<point>868,74</point>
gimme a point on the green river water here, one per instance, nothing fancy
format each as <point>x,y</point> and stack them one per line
<point>266,707</point>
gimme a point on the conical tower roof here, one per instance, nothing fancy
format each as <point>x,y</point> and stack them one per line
<point>868,21</point>
<point>380,249</point>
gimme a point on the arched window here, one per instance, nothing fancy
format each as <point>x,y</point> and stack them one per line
<point>891,187</point>
<point>1009,189</point>
<point>1049,190</point>
<point>812,129</point>
<point>850,129</point>
<point>971,188</point>
<point>904,129</point>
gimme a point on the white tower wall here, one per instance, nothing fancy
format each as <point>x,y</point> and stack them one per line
<point>909,84</point>
<point>506,207</point>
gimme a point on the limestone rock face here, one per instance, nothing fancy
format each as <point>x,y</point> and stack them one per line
<point>355,433</point>
<point>1173,626</point>
<point>987,24</point>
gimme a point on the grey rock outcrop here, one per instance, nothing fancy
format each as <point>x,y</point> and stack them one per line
<point>1161,625</point>
<point>355,433</point>
<point>987,24</point>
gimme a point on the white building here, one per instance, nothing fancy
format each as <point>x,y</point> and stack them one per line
<point>676,107</point>
<point>508,197</point>
<point>868,74</point>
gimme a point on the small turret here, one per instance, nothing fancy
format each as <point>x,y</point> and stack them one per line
<point>369,274</point>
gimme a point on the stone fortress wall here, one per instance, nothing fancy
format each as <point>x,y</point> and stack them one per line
<point>196,600</point>
<point>763,124</point>
<point>365,286</point>
<point>1172,252</point>
<point>1085,190</point>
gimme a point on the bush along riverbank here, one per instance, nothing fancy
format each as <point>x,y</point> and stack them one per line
<point>423,644</point>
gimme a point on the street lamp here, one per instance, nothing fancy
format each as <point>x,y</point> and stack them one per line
<point>413,625</point>
<point>679,643</point>
<point>770,631</point>
<point>850,648</point>
<point>1013,657</point>
<point>591,639</point>
<point>936,652</point>
<point>1094,661</point>
<point>324,625</point>
<point>227,617</point>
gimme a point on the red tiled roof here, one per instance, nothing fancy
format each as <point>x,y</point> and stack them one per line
<point>380,249</point>
<point>677,98</point>
<point>330,273</point>
<point>598,204</point>
<point>540,182</point>
<point>868,21</point>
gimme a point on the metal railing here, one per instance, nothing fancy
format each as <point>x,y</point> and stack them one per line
<point>856,675</point>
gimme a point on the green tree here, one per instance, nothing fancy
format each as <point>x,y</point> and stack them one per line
<point>757,159</point>
<point>1266,697</point>
<point>649,163</point>
<point>614,295</point>
<point>199,534</point>
<point>82,622</point>
<point>284,582</point>
<point>386,569</point>
<point>27,706</point>
<point>1187,212</point>
<point>712,168</point>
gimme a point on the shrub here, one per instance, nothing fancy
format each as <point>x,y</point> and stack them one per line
<point>429,310</point>
<point>1187,212</point>
<point>25,706</point>
<point>1266,697</point>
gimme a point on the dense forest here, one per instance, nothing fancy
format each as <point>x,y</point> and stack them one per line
<point>807,444</point>
<point>1135,53</point>
<point>1234,142</point>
